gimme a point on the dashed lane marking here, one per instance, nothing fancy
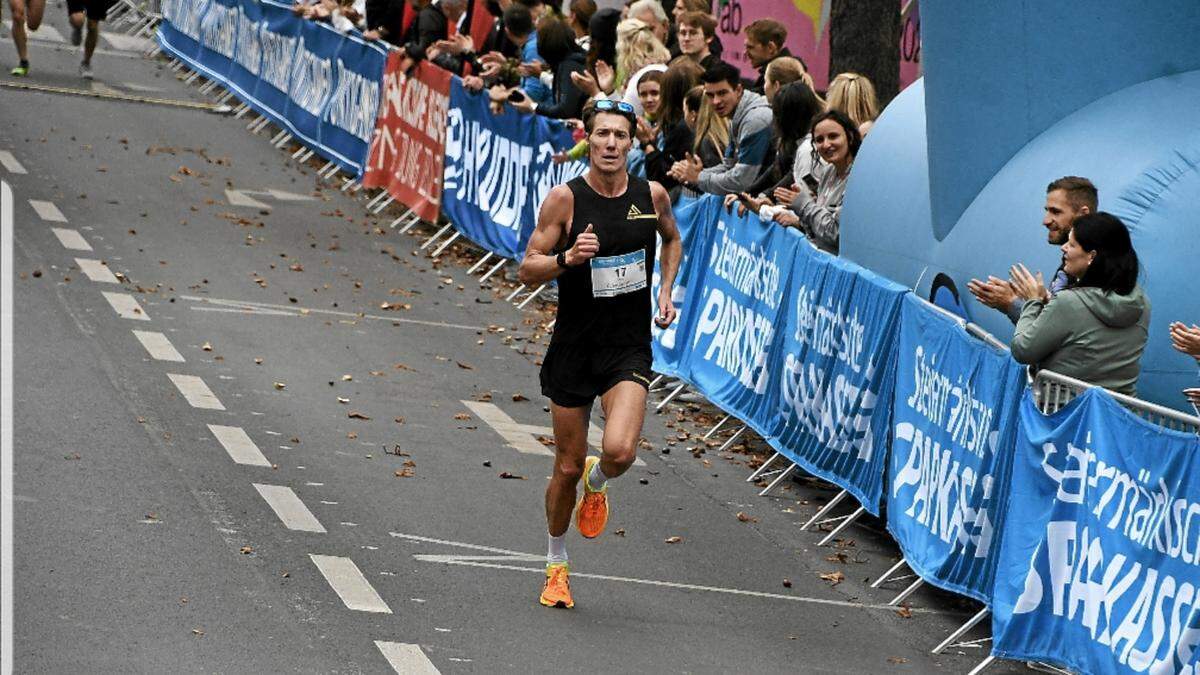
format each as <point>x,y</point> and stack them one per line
<point>350,584</point>
<point>126,306</point>
<point>47,211</point>
<point>71,239</point>
<point>196,392</point>
<point>523,437</point>
<point>406,659</point>
<point>126,43</point>
<point>96,271</point>
<point>159,347</point>
<point>284,502</point>
<point>10,162</point>
<point>238,445</point>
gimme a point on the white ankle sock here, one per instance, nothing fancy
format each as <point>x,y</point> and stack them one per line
<point>557,554</point>
<point>596,478</point>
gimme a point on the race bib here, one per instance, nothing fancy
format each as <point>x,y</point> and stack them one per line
<point>618,274</point>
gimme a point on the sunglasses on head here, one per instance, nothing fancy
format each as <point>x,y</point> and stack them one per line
<point>609,105</point>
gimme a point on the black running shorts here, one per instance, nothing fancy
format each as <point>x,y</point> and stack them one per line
<point>574,375</point>
<point>97,10</point>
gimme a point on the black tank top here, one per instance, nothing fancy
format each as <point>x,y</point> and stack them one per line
<point>623,225</point>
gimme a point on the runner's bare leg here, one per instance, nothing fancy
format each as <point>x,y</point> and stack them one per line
<point>624,412</point>
<point>570,441</point>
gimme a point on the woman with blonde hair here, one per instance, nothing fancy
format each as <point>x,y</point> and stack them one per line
<point>638,51</point>
<point>854,95</point>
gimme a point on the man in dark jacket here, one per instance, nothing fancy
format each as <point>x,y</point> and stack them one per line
<point>765,40</point>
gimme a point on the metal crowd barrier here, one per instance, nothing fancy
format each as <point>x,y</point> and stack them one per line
<point>1053,391</point>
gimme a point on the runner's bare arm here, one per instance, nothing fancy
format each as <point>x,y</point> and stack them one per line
<point>539,265</point>
<point>670,253</point>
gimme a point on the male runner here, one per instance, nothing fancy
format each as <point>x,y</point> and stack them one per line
<point>595,235</point>
<point>25,14</point>
<point>95,11</point>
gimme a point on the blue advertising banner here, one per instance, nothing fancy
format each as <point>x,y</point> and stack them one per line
<point>1100,561</point>
<point>954,415</point>
<point>835,365</point>
<point>319,84</point>
<point>695,219</point>
<point>737,304</point>
<point>499,170</point>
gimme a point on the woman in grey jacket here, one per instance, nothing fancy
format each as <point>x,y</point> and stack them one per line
<point>1094,330</point>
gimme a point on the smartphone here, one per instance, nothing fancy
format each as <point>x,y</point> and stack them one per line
<point>516,96</point>
<point>811,182</point>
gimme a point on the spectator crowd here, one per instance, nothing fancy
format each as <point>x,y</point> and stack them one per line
<point>770,145</point>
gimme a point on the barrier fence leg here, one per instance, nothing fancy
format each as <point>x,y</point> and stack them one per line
<point>306,156</point>
<point>479,263</point>
<point>399,218</point>
<point>982,665</point>
<point>375,200</point>
<point>657,378</point>
<point>241,113</point>
<point>825,509</point>
<point>296,154</point>
<point>906,592</point>
<point>445,244</point>
<point>778,479</point>
<point>495,268</point>
<point>437,235</point>
<point>843,525</point>
<point>961,630</point>
<point>384,204</point>
<point>412,222</point>
<point>351,184</point>
<point>283,141</point>
<point>732,439</point>
<point>762,467</point>
<point>514,293</point>
<point>674,392</point>
<point>886,576</point>
<point>531,296</point>
<point>716,426</point>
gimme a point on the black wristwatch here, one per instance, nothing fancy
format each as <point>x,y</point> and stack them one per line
<point>561,259</point>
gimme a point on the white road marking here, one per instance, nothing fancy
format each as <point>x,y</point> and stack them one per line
<point>240,198</point>
<point>238,445</point>
<point>350,584</point>
<point>159,347</point>
<point>406,659</point>
<point>515,556</point>
<point>133,86</point>
<point>196,392</point>
<point>126,43</point>
<point>71,239</point>
<point>47,33</point>
<point>10,163</point>
<point>6,429</point>
<point>284,502</point>
<point>523,437</point>
<point>96,271</point>
<point>258,307</point>
<point>126,306</point>
<point>47,211</point>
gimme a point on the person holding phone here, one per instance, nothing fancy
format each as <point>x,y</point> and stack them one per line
<point>596,237</point>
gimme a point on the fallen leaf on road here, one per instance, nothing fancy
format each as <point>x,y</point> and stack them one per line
<point>517,398</point>
<point>404,473</point>
<point>295,439</point>
<point>674,540</point>
<point>343,400</point>
<point>207,346</point>
<point>258,361</point>
<point>352,435</point>
<point>246,550</point>
<point>296,267</point>
<point>787,583</point>
<point>484,397</point>
<point>280,385</point>
<point>546,441</point>
<point>141,420</point>
<point>904,612</point>
<point>620,532</point>
<point>897,659</point>
<point>409,463</point>
<point>198,632</point>
<point>347,378</point>
<point>465,366</point>
<point>398,420</point>
<point>745,518</point>
<point>355,415</point>
<point>377,373</point>
<point>401,366</point>
<point>462,417</point>
<point>838,557</point>
<point>511,476</point>
<point>834,577</point>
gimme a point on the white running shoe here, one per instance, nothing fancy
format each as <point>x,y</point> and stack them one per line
<point>85,71</point>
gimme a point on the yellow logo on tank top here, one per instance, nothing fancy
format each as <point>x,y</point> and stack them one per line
<point>636,214</point>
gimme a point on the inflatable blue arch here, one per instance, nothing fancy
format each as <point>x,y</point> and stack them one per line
<point>952,177</point>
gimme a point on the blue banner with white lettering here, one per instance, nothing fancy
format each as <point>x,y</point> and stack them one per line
<point>499,170</point>
<point>737,304</point>
<point>1100,561</point>
<point>695,219</point>
<point>834,369</point>
<point>319,84</point>
<point>954,416</point>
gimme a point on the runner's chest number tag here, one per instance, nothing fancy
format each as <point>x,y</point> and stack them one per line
<point>618,274</point>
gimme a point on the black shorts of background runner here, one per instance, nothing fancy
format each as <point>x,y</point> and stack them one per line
<point>573,376</point>
<point>97,10</point>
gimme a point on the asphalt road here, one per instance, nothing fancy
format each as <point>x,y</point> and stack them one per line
<point>288,456</point>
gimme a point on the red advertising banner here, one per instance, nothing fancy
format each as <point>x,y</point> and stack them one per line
<point>409,144</point>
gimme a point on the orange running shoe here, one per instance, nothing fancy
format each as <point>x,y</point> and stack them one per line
<point>591,513</point>
<point>557,592</point>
